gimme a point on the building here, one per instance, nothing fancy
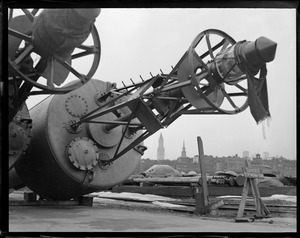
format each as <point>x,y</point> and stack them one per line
<point>246,154</point>
<point>276,165</point>
<point>183,158</point>
<point>183,152</point>
<point>161,148</point>
<point>185,163</point>
<point>266,155</point>
<point>196,159</point>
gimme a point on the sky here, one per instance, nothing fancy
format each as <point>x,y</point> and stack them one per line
<point>136,42</point>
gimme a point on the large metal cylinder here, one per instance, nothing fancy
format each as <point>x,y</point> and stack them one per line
<point>62,162</point>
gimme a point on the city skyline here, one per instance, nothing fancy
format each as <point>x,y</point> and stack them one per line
<point>160,148</point>
<point>184,152</point>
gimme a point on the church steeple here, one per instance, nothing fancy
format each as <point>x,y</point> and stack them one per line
<point>183,152</point>
<point>161,148</point>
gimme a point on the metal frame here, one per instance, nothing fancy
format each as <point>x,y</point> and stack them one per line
<point>142,92</point>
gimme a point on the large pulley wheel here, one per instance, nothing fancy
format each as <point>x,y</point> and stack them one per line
<point>207,92</point>
<point>57,69</point>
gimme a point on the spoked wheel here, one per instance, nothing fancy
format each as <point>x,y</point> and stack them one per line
<point>213,91</point>
<point>48,73</point>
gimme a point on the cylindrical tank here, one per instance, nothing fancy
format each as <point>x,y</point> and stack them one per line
<point>62,163</point>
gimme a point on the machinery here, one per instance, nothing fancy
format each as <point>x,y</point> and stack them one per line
<point>42,48</point>
<point>88,134</point>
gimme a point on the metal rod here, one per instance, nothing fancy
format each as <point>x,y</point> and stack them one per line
<point>229,71</point>
<point>229,98</point>
<point>240,87</point>
<point>214,48</point>
<point>28,14</point>
<point>102,106</point>
<point>138,140</point>
<point>101,113</point>
<point>116,123</point>
<point>81,54</point>
<point>166,98</point>
<point>209,46</point>
<point>82,77</point>
<point>174,69</point>
<point>24,54</point>
<point>125,130</point>
<point>19,35</point>
<point>120,121</point>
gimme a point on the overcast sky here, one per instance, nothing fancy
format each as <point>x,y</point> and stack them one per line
<point>139,41</point>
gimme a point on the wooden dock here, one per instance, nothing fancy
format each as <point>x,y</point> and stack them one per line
<point>213,191</point>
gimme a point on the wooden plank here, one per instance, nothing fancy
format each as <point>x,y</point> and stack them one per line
<point>214,190</point>
<point>244,219</point>
<point>251,203</point>
<point>182,209</point>
<point>202,170</point>
<point>243,199</point>
<point>255,195</point>
<point>248,183</point>
<point>252,181</point>
<point>264,207</point>
<point>172,191</point>
<point>273,209</point>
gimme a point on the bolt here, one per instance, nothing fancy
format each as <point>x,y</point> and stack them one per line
<point>86,151</point>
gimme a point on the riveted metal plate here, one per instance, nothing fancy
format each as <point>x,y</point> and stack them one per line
<point>76,105</point>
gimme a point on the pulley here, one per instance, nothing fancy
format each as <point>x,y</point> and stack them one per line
<point>209,92</point>
<point>100,135</point>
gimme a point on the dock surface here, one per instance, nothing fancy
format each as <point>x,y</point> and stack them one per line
<point>109,215</point>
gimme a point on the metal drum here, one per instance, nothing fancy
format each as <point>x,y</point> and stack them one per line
<point>62,162</point>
